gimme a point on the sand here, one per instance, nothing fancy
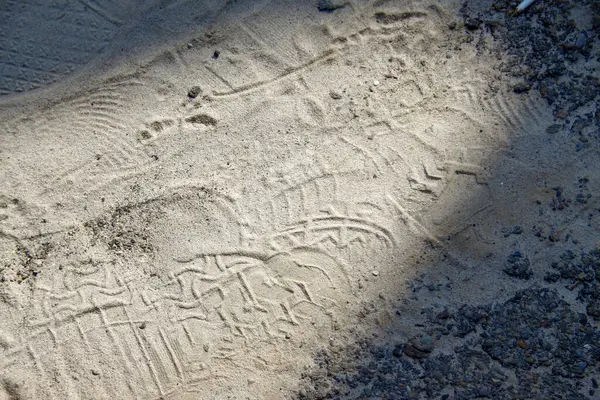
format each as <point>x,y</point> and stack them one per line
<point>196,197</point>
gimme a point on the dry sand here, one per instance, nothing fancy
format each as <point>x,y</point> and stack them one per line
<point>195,197</point>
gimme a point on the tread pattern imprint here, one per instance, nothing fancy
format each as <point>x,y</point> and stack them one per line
<point>63,39</point>
<point>175,247</point>
<point>42,42</point>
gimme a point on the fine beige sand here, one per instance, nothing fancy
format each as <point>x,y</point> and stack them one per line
<point>197,196</point>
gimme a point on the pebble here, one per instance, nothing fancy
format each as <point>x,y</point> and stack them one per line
<point>593,310</point>
<point>522,87</point>
<point>444,314</point>
<point>472,24</point>
<point>331,5</point>
<point>398,351</point>
<point>335,95</point>
<point>552,129</point>
<point>516,230</point>
<point>375,272</point>
<point>419,347</point>
<point>424,343</point>
<point>413,352</point>
<point>194,92</point>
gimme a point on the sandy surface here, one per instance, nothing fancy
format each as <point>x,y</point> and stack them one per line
<point>198,197</point>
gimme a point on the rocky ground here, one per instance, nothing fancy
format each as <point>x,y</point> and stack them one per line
<point>540,339</point>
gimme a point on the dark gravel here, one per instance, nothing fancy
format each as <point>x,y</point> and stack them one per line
<point>551,351</point>
<point>580,272</point>
<point>546,44</point>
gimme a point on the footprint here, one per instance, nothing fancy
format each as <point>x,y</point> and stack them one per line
<point>161,128</point>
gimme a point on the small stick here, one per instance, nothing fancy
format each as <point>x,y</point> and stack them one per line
<point>521,7</point>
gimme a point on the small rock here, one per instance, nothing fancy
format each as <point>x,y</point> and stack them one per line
<point>472,24</point>
<point>593,310</point>
<point>554,236</point>
<point>95,372</point>
<point>579,368</point>
<point>413,352</point>
<point>375,272</point>
<point>419,347</point>
<point>444,314</point>
<point>515,230</point>
<point>562,114</point>
<point>424,343</point>
<point>398,350</point>
<point>331,5</point>
<point>194,92</point>
<point>522,87</point>
<point>375,83</point>
<point>335,95</point>
<point>552,129</point>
